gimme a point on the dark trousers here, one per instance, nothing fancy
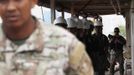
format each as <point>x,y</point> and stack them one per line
<point>99,62</point>
<point>118,58</point>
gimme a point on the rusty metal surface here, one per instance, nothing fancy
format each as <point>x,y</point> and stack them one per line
<point>90,6</point>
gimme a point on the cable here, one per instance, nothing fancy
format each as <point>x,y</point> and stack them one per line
<point>118,4</point>
<point>111,2</point>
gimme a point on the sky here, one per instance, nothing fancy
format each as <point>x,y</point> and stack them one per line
<point>39,11</point>
<point>112,21</point>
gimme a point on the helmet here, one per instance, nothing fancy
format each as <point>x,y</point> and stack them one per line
<point>60,20</point>
<point>79,23</point>
<point>91,22</point>
<point>75,18</point>
<point>87,23</point>
<point>71,22</point>
<point>98,23</point>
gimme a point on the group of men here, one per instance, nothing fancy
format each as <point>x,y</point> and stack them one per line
<point>98,46</point>
<point>29,46</point>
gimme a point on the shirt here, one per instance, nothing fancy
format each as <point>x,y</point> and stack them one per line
<point>50,50</point>
<point>101,43</point>
<point>117,43</point>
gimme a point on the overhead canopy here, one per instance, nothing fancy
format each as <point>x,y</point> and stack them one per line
<point>90,7</point>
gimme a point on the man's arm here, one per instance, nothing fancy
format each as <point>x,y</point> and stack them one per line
<point>80,63</point>
<point>123,40</point>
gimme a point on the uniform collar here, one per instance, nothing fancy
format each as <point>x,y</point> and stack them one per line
<point>31,44</point>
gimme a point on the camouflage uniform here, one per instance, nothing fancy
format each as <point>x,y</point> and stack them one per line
<point>49,50</point>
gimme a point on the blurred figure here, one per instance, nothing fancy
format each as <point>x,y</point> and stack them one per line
<point>80,29</point>
<point>101,49</point>
<point>71,25</point>
<point>87,30</point>
<point>60,21</point>
<point>117,44</point>
<point>110,37</point>
<point>89,39</point>
<point>111,51</point>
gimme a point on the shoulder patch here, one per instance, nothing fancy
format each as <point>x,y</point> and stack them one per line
<point>2,56</point>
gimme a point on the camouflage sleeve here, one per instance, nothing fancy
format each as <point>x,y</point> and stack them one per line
<point>80,62</point>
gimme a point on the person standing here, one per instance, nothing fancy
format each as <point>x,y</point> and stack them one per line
<point>29,46</point>
<point>116,45</point>
<point>89,39</point>
<point>80,29</point>
<point>71,25</point>
<point>87,36</point>
<point>101,49</point>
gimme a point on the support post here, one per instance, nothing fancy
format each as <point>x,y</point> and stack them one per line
<point>52,5</point>
<point>132,34</point>
<point>128,30</point>
<point>62,13</point>
<point>72,10</point>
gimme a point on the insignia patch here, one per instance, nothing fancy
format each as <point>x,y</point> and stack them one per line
<point>2,56</point>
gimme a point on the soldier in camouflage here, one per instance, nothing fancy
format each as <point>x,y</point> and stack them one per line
<point>31,47</point>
